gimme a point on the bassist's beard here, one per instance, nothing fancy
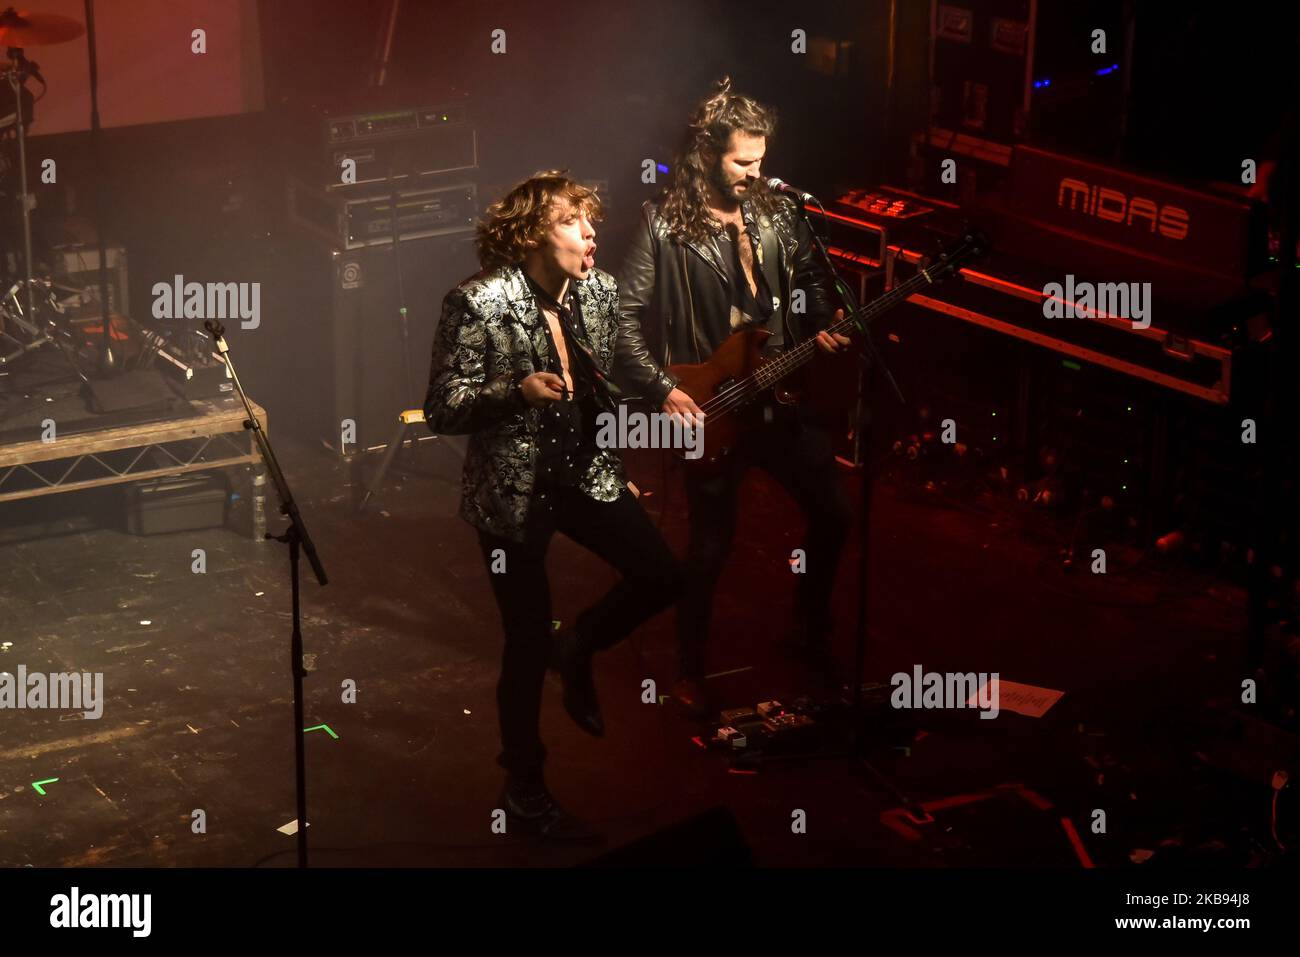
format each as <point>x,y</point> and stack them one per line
<point>725,189</point>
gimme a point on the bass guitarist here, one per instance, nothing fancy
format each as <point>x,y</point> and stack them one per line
<point>718,253</point>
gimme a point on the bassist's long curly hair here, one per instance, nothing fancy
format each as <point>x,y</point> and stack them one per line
<point>683,202</point>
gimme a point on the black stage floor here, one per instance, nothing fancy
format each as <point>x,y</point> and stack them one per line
<point>197,711</point>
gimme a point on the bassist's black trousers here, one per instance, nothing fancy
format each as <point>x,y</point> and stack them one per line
<point>798,455</point>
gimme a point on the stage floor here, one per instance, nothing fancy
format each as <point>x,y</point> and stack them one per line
<point>197,712</point>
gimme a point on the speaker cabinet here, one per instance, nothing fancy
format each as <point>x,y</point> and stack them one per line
<point>357,364</point>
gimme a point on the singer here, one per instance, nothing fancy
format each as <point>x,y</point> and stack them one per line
<point>717,251</point>
<point>519,363</point>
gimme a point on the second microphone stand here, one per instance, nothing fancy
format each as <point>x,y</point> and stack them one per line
<point>296,537</point>
<point>872,360</point>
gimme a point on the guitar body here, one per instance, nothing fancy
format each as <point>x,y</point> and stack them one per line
<point>738,357</point>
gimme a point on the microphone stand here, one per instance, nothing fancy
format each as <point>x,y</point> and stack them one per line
<point>296,537</point>
<point>871,360</point>
<point>17,75</point>
<point>108,361</point>
<point>19,69</point>
<point>393,200</point>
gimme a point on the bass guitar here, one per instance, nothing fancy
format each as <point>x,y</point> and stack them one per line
<point>727,383</point>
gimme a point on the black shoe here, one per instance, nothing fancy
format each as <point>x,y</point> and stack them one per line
<point>573,662</point>
<point>692,696</point>
<point>535,813</point>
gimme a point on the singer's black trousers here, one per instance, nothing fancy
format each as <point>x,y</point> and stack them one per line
<point>797,453</point>
<point>619,532</point>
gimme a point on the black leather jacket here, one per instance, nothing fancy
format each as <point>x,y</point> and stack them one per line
<point>665,284</point>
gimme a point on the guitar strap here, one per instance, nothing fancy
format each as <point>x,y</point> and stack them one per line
<point>771,266</point>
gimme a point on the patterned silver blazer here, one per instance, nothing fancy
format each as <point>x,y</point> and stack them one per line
<point>490,336</point>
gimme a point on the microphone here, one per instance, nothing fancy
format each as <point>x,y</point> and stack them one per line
<point>218,333</point>
<point>781,186</point>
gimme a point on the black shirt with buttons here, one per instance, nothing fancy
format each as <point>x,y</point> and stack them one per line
<point>567,435</point>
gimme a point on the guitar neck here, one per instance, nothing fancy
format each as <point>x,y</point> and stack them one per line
<point>787,362</point>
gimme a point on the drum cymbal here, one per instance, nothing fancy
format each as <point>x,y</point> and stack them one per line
<point>24,29</point>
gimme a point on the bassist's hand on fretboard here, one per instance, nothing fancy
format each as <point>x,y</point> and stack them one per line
<point>833,342</point>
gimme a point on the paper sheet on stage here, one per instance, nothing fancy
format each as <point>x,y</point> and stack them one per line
<point>1028,700</point>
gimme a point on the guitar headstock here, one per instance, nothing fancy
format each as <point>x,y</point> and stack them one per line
<point>961,252</point>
